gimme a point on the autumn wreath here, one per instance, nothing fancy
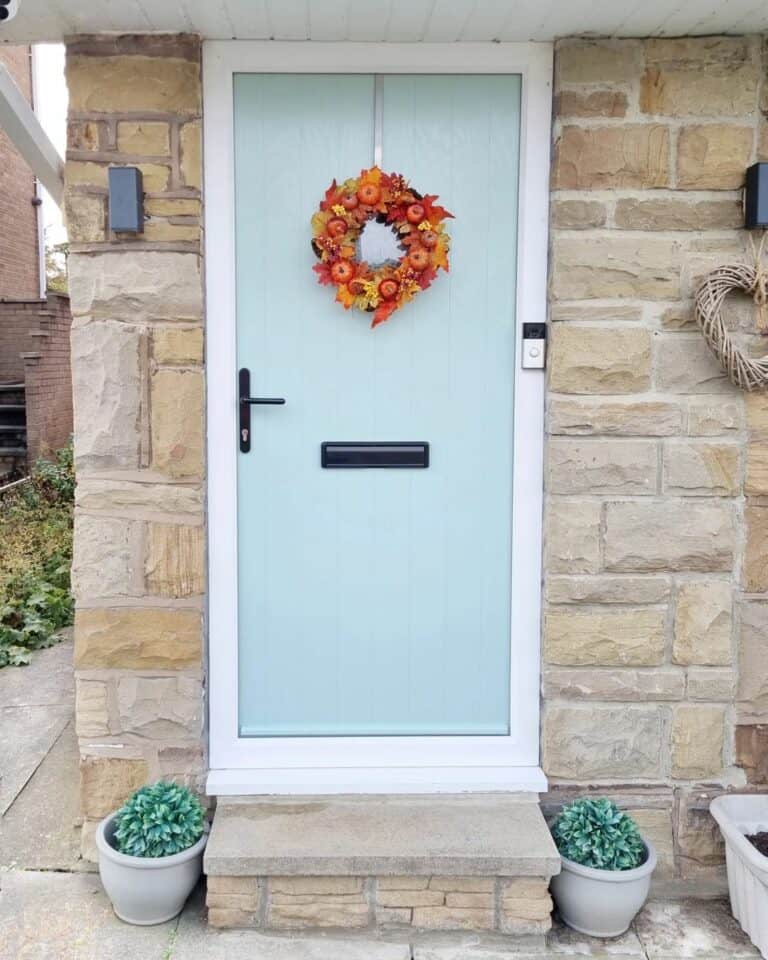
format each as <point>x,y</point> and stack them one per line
<point>417,223</point>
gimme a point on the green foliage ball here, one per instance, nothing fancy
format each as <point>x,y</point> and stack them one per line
<point>158,821</point>
<point>595,833</point>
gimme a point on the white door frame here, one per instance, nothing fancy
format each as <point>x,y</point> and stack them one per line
<point>380,764</point>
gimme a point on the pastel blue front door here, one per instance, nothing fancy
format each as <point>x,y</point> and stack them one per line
<point>376,602</point>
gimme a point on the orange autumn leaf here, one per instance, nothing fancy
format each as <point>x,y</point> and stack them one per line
<point>344,296</point>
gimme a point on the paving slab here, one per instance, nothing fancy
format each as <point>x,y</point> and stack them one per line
<point>40,830</point>
<point>565,942</point>
<point>27,733</point>
<point>47,680</point>
<point>464,835</point>
<point>67,916</point>
<point>195,940</point>
<point>700,929</point>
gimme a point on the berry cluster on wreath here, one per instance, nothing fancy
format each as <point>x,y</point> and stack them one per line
<point>417,221</point>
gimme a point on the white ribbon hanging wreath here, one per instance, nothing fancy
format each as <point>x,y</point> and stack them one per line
<point>746,372</point>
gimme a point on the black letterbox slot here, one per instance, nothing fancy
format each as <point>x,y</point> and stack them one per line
<point>386,454</point>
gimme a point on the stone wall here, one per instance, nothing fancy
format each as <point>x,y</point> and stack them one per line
<point>514,906</point>
<point>20,247</point>
<point>137,351</point>
<point>655,688</point>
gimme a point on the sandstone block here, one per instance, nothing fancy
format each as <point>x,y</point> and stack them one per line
<point>462,884</point>
<point>453,918</point>
<point>160,707</point>
<point>752,752</point>
<point>595,466</point>
<point>133,85</point>
<point>175,560</point>
<point>602,743</point>
<point>172,207</point>
<point>525,888</point>
<point>85,218</point>
<point>624,590</point>
<point>106,555</point>
<point>138,286</point>
<point>144,137</point>
<point>753,667</point>
<point>178,345</point>
<point>756,405</point>
<point>613,684</point>
<point>107,782</point>
<point>163,231</point>
<point>669,535</point>
<point>756,481</point>
<point>697,50</point>
<point>402,883</point>
<point>154,177</point>
<point>586,268</point>
<point>138,497</point>
<point>91,708</point>
<point>85,173</point>
<point>176,400</point>
<point>224,919</point>
<point>572,536</point>
<point>693,90</point>
<point>713,156</point>
<point>666,214</point>
<point>316,885</point>
<point>392,915</point>
<point>598,61</point>
<point>527,909</point>
<point>82,135</point>
<point>237,885</point>
<point>630,418</point>
<point>697,741</point>
<point>578,214</point>
<point>710,683</point>
<point>708,418</point>
<point>755,568</point>
<point>183,764</point>
<point>612,313</point>
<point>245,902</point>
<point>598,103</point>
<point>698,836</point>
<point>703,623</point>
<point>410,898</point>
<point>575,637</point>
<point>106,388</point>
<point>191,154</point>
<point>702,469</point>
<point>136,639</point>
<point>588,360</point>
<point>319,914</point>
<point>686,365</point>
<point>656,825</point>
<point>629,156</point>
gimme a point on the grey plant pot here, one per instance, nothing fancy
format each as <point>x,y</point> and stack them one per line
<point>147,890</point>
<point>602,903</point>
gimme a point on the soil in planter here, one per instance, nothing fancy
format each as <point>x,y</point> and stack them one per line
<point>760,842</point>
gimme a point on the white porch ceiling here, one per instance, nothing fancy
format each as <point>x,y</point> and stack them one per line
<point>386,20</point>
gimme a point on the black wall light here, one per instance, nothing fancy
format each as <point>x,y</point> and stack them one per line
<point>126,200</point>
<point>756,197</point>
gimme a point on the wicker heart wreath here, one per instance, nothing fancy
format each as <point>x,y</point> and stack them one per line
<point>746,372</point>
<point>417,223</point>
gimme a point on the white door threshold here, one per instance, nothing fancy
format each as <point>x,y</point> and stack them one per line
<point>374,780</point>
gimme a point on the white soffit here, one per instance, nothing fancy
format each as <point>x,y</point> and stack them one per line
<point>385,20</point>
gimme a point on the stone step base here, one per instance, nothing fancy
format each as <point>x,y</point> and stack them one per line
<point>408,865</point>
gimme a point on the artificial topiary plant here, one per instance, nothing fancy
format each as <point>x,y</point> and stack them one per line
<point>595,833</point>
<point>158,821</point>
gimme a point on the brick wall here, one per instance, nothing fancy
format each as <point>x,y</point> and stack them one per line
<point>137,352</point>
<point>655,688</point>
<point>48,380</point>
<point>18,320</point>
<point>19,253</point>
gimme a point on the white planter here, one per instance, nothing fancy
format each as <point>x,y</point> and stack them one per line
<point>147,890</point>
<point>738,816</point>
<point>602,903</point>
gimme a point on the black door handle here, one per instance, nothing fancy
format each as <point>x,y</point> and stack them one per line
<point>245,404</point>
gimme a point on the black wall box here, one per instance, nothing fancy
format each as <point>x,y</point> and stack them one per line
<point>756,196</point>
<point>126,200</point>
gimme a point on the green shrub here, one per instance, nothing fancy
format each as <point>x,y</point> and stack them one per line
<point>595,833</point>
<point>158,821</point>
<point>35,559</point>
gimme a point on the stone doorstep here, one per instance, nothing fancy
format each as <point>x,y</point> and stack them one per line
<point>478,835</point>
<point>421,864</point>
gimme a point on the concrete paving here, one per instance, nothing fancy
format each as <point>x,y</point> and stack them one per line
<point>51,910</point>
